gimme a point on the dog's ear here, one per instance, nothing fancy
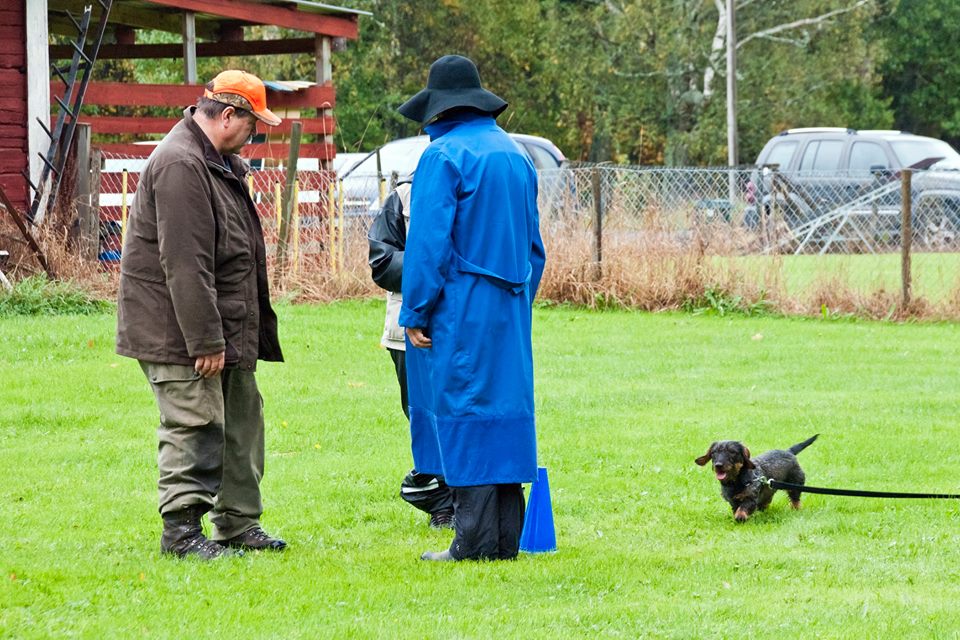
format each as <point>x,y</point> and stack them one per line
<point>702,460</point>
<point>747,462</point>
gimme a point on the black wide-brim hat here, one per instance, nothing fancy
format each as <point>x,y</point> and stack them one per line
<point>453,82</point>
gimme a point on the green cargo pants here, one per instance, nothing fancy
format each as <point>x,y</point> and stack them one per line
<point>211,444</point>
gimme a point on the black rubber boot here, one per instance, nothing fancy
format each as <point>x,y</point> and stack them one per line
<point>183,534</point>
<point>442,519</point>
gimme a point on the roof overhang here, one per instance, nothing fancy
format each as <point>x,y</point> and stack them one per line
<point>215,18</point>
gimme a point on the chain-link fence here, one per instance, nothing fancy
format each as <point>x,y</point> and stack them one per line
<point>663,237</point>
<point>312,216</point>
<point>810,242</point>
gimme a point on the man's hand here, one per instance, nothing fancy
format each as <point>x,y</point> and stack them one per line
<point>418,338</point>
<point>209,365</point>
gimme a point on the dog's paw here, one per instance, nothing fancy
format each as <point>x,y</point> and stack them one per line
<point>741,515</point>
<point>795,504</point>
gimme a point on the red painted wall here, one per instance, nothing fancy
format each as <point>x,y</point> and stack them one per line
<point>13,101</point>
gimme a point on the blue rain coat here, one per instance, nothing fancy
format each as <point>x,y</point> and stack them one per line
<point>471,268</point>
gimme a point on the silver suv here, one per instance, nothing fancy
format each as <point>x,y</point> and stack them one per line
<point>361,180</point>
<point>816,174</point>
<point>850,151</point>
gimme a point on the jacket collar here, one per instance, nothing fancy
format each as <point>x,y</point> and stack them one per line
<point>210,153</point>
<point>445,125</point>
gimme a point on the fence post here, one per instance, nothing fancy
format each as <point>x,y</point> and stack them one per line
<point>597,224</point>
<point>338,235</point>
<point>296,227</point>
<point>96,159</point>
<point>906,233</point>
<point>87,211</point>
<point>283,235</point>
<point>331,222</point>
<point>773,217</point>
<point>123,207</point>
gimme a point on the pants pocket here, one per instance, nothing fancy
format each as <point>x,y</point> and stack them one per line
<point>185,398</point>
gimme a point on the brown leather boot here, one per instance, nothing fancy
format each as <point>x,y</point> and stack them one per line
<point>255,539</point>
<point>183,534</point>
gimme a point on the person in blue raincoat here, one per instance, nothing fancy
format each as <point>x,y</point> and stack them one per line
<point>473,262</point>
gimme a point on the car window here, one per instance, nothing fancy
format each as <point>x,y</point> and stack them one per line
<point>809,156</point>
<point>910,152</point>
<point>864,155</point>
<point>822,155</point>
<point>401,156</point>
<point>781,153</point>
<point>542,159</point>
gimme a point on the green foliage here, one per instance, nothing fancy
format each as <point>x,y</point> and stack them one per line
<point>38,296</point>
<point>625,401</point>
<point>716,300</point>
<point>920,72</point>
<point>638,82</point>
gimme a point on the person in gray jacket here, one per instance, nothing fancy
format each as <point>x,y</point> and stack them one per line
<point>387,238</point>
<point>194,310</point>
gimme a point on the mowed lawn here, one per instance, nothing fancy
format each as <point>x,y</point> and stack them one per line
<point>934,276</point>
<point>626,401</point>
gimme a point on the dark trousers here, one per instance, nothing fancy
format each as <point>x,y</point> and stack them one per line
<point>488,520</point>
<point>211,444</point>
<point>424,491</point>
<point>400,364</point>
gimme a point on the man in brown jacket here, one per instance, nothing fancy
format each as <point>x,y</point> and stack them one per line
<point>194,310</point>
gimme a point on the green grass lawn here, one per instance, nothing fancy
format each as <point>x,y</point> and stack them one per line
<point>626,401</point>
<point>934,276</point>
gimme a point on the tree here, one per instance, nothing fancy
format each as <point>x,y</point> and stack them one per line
<point>920,73</point>
<point>632,81</point>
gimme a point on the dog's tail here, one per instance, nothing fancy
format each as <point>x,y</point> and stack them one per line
<point>797,448</point>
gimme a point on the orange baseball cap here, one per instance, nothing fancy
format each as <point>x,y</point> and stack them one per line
<point>243,90</point>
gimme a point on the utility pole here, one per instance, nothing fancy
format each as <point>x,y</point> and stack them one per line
<point>732,158</point>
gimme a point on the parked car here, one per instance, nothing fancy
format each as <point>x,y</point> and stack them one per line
<point>936,204</point>
<point>361,181</point>
<point>816,175</point>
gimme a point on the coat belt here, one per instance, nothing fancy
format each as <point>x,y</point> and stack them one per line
<point>514,286</point>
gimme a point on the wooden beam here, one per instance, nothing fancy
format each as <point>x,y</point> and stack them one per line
<point>124,35</point>
<point>254,151</point>
<point>291,18</point>
<point>36,87</point>
<point>61,26</point>
<point>179,95</point>
<point>230,32</point>
<point>189,47</point>
<point>324,64</point>
<point>87,213</point>
<point>154,19</point>
<point>204,49</point>
<point>144,125</point>
<point>273,150</point>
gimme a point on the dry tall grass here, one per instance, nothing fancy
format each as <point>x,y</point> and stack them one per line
<point>652,262</point>
<point>646,264</point>
<point>62,256</point>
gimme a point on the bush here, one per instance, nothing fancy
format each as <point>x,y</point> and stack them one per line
<point>39,296</point>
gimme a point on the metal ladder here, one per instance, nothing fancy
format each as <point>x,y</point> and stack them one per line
<point>75,78</point>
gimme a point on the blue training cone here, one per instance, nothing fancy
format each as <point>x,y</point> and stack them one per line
<point>538,535</point>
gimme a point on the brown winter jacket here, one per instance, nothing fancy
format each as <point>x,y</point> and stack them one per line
<point>193,275</point>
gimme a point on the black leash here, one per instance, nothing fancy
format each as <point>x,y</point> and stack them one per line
<point>776,484</point>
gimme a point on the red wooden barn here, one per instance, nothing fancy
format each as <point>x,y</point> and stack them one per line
<point>13,100</point>
<point>206,28</point>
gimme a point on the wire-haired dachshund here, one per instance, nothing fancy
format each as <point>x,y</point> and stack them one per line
<point>742,479</point>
